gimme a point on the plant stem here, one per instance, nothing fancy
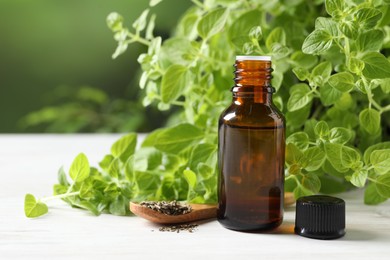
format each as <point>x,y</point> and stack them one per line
<point>61,196</point>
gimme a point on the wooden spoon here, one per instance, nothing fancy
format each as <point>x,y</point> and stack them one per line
<point>199,212</point>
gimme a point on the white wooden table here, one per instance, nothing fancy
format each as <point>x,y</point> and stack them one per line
<point>29,163</point>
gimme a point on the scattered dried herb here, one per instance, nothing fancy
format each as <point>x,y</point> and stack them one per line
<point>177,228</point>
<point>168,208</point>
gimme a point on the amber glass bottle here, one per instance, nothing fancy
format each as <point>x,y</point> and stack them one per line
<point>251,151</point>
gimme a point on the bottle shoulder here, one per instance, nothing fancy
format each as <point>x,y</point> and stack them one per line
<point>254,114</point>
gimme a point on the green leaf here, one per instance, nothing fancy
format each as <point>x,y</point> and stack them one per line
<point>124,147</point>
<point>323,70</point>
<point>380,160</point>
<point>300,139</point>
<point>239,31</point>
<point>355,65</point>
<point>34,208</point>
<point>329,95</point>
<point>349,29</point>
<point>318,42</point>
<point>62,177</point>
<point>378,146</point>
<point>118,206</point>
<point>276,36</point>
<point>311,182</point>
<point>141,21</point>
<point>327,24</point>
<point>114,22</point>
<point>201,154</point>
<point>342,81</point>
<point>314,158</point>
<point>370,120</point>
<point>385,85</point>
<point>368,17</point>
<point>371,40</point>
<point>339,135</point>
<point>106,162</point>
<point>154,2</point>
<point>350,158</point>
<point>302,74</point>
<point>333,154</point>
<point>359,178</point>
<point>299,97</point>
<point>334,7</point>
<point>79,170</point>
<point>114,169</point>
<point>376,66</point>
<point>174,82</point>
<point>301,191</point>
<point>177,138</point>
<point>371,195</point>
<point>293,154</point>
<point>190,177</point>
<point>212,22</point>
<point>303,60</point>
<point>321,129</point>
<point>383,185</point>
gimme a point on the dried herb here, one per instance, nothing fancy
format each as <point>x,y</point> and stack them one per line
<point>167,208</point>
<point>177,228</point>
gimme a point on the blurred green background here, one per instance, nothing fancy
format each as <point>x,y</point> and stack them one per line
<point>55,58</point>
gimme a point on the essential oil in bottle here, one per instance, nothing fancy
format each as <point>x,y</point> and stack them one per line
<point>251,151</point>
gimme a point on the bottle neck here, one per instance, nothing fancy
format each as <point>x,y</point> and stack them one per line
<point>253,81</point>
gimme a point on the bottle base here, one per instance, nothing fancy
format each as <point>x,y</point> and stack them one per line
<point>245,227</point>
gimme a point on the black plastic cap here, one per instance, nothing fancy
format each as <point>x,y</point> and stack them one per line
<point>320,217</point>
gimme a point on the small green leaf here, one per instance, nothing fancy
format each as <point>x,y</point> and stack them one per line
<point>293,154</point>
<point>299,97</point>
<point>333,153</point>
<point>276,36</point>
<point>303,60</point>
<point>79,170</point>
<point>327,24</point>
<point>141,21</point>
<point>301,73</point>
<point>383,185</point>
<point>239,31</point>
<point>334,7</point>
<point>371,195</point>
<point>368,17</point>
<point>256,33</point>
<point>314,158</point>
<point>385,85</point>
<point>34,208</point>
<point>323,70</point>
<point>154,2</point>
<point>329,95</point>
<point>359,178</point>
<point>118,206</point>
<point>376,66</point>
<point>174,82</point>
<point>124,147</point>
<point>201,154</point>
<point>62,177</point>
<point>177,138</point>
<point>300,139</point>
<point>349,29</point>
<point>114,22</point>
<point>301,191</point>
<point>380,160</point>
<point>339,135</point>
<point>370,120</point>
<point>350,158</point>
<point>342,81</point>
<point>190,177</point>
<point>311,182</point>
<point>317,42</point>
<point>371,40</point>
<point>106,162</point>
<point>355,65</point>
<point>321,129</point>
<point>378,146</point>
<point>212,23</point>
